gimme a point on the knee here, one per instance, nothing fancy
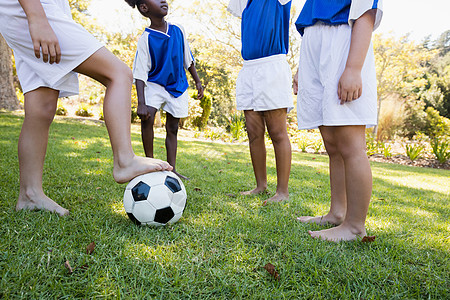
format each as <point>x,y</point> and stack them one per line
<point>255,136</point>
<point>126,73</point>
<point>352,151</point>
<point>279,137</point>
<point>46,112</point>
<point>172,128</point>
<point>121,74</point>
<point>332,149</point>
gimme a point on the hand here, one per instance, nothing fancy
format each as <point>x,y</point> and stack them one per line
<point>295,83</point>
<point>44,38</point>
<point>143,112</point>
<point>350,85</point>
<point>200,90</point>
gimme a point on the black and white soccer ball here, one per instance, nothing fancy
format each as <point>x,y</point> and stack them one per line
<point>155,199</point>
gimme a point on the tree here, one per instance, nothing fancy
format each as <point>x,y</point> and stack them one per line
<point>8,98</point>
<point>401,66</point>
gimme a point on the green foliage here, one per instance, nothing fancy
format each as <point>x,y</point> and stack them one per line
<point>83,111</point>
<point>205,104</point>
<point>303,143</point>
<point>61,110</point>
<point>436,125</point>
<point>413,151</point>
<point>386,149</point>
<point>237,125</point>
<point>134,115</point>
<point>441,149</point>
<point>371,144</point>
<point>415,118</point>
<point>216,79</point>
<point>317,146</point>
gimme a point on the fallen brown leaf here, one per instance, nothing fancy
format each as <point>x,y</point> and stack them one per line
<point>68,267</point>
<point>271,269</point>
<point>368,239</point>
<point>90,248</point>
<point>197,189</point>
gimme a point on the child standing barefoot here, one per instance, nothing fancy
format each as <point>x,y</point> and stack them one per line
<point>337,93</point>
<point>49,47</point>
<point>162,54</point>
<point>263,89</point>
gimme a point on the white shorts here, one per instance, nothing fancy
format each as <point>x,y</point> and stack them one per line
<point>156,96</point>
<point>75,42</point>
<point>323,55</point>
<point>265,84</point>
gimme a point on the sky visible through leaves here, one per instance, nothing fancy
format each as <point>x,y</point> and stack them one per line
<point>416,17</point>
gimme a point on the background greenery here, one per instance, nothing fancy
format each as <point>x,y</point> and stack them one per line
<point>219,247</point>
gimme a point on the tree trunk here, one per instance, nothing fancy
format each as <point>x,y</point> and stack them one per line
<point>8,98</point>
<point>375,128</point>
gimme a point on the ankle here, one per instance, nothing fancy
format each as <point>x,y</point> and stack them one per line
<point>337,217</point>
<point>28,194</point>
<point>355,228</point>
<point>122,161</point>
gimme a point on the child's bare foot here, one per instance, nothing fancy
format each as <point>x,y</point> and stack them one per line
<point>322,220</point>
<point>137,166</point>
<point>255,191</point>
<point>182,177</point>
<point>340,233</point>
<point>41,202</point>
<point>278,197</point>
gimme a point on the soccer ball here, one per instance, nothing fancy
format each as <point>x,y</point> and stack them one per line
<point>155,199</point>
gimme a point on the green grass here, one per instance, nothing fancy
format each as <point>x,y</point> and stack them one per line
<point>218,248</point>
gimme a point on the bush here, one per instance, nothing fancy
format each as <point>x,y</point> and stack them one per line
<point>134,114</point>
<point>237,125</point>
<point>413,151</point>
<point>391,118</point>
<point>61,110</point>
<point>441,149</point>
<point>205,104</point>
<point>83,111</point>
<point>415,119</point>
<point>435,124</point>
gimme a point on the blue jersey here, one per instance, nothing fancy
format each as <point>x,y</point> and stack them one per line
<point>265,28</point>
<point>335,12</point>
<point>161,59</point>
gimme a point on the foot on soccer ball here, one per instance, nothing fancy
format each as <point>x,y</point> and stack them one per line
<point>41,202</point>
<point>278,197</point>
<point>328,219</point>
<point>255,191</point>
<point>339,233</point>
<point>124,172</point>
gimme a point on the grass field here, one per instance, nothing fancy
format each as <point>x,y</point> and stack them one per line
<point>220,246</point>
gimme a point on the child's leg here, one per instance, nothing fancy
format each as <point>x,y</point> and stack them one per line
<point>147,132</point>
<point>350,141</point>
<point>116,76</point>
<point>256,129</point>
<point>172,124</point>
<point>40,107</point>
<point>338,205</point>
<point>277,128</point>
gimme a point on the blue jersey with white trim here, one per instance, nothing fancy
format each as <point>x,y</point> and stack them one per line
<point>332,12</point>
<point>167,57</point>
<point>265,29</point>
